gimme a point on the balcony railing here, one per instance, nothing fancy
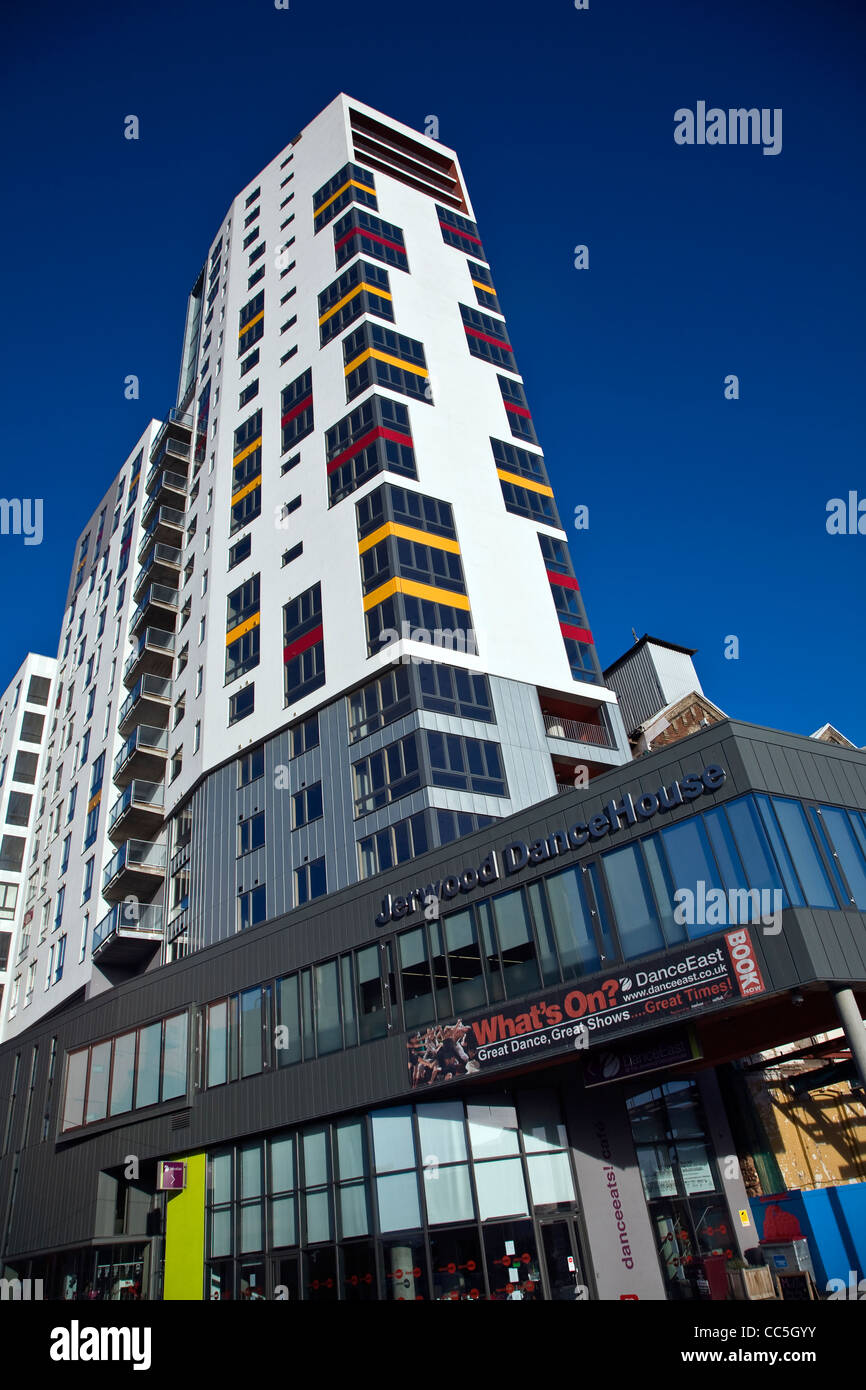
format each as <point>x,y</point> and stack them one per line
<point>154,637</point>
<point>159,594</point>
<point>577,731</point>
<point>149,687</point>
<point>177,420</point>
<point>163,562</point>
<point>127,917</point>
<point>136,855</point>
<point>138,793</point>
<point>164,519</point>
<point>148,739</point>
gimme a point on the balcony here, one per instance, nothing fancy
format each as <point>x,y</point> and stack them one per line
<point>149,702</point>
<point>166,489</point>
<point>137,812</point>
<point>165,524</point>
<point>158,606</point>
<point>128,934</point>
<point>137,870</point>
<point>163,566</point>
<point>172,440</point>
<point>142,757</point>
<point>577,731</point>
<point>153,655</point>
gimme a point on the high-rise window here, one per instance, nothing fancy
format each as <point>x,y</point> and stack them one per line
<point>303,644</point>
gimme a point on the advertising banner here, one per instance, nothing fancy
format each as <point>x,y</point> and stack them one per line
<point>655,991</point>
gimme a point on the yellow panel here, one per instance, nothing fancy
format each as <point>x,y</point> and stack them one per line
<point>384,357</point>
<point>247,326</point>
<point>525,482</point>
<point>350,183</point>
<point>242,628</point>
<point>408,533</point>
<point>488,289</point>
<point>410,586</point>
<point>238,496</point>
<point>184,1235</point>
<point>383,294</point>
<point>248,450</point>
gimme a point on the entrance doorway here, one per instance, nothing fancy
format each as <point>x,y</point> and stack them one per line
<point>561,1260</point>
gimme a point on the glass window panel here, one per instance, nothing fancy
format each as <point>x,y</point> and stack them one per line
<point>221,1233</point>
<point>289,1050</point>
<point>350,1149</point>
<point>755,852</point>
<point>359,1272</point>
<point>647,1116</point>
<point>544,935</point>
<point>251,1031</point>
<point>251,1170</point>
<point>572,925</point>
<point>321,1280</point>
<point>464,962</point>
<point>350,1020</point>
<point>147,1080</point>
<point>405,1264</point>
<point>440,969</point>
<point>329,1032</point>
<point>415,978</point>
<point>283,1164</point>
<point>174,1057</point>
<point>780,849</point>
<point>656,1170</point>
<point>122,1073</point>
<point>593,882</point>
<point>318,1207</point>
<point>440,1129</point>
<point>252,1235</point>
<point>307,1014</point>
<point>807,860</point>
<point>283,1223</point>
<point>221,1179</point>
<point>633,908</point>
<point>663,888</point>
<point>516,944</point>
<point>541,1121</point>
<point>683,1109</point>
<point>722,841</point>
<point>373,1021</point>
<point>513,1267</point>
<point>354,1218</point>
<point>97,1091</point>
<point>315,1157</point>
<point>492,1130</point>
<point>851,859</point>
<point>393,1142</point>
<point>456,1262</point>
<point>398,1202</point>
<point>500,1187</point>
<point>251,1279</point>
<point>550,1179</point>
<point>217,1038</point>
<point>448,1194</point>
<point>76,1078</point>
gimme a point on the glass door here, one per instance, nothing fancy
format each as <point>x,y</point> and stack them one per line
<point>561,1261</point>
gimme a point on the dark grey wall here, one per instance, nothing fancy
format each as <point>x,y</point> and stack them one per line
<point>56,1197</point>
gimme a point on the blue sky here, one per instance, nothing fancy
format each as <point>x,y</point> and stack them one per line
<point>707,516</point>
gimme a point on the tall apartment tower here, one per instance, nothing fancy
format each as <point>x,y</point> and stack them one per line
<point>351,629</point>
<point>25,711</point>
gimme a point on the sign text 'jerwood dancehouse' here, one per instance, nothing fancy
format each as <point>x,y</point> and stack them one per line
<point>518,854</point>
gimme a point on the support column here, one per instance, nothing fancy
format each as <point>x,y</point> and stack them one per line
<point>855,1030</point>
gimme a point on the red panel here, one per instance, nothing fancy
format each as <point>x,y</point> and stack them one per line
<point>358,231</point>
<point>309,639</point>
<point>467,235</point>
<point>380,432</point>
<point>567,581</point>
<point>518,410</point>
<point>498,342</point>
<point>296,410</point>
<point>580,634</point>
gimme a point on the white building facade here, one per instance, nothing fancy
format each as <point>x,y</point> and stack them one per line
<point>351,629</point>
